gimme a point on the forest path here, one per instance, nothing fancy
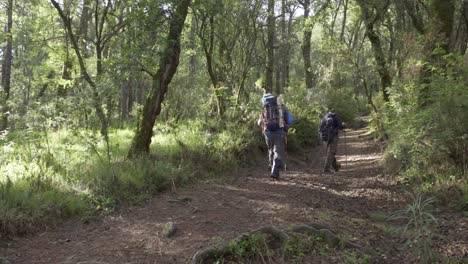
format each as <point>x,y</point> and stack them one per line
<point>352,202</point>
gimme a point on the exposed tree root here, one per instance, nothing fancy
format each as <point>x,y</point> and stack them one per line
<point>275,240</point>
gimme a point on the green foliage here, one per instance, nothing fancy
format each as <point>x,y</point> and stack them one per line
<point>251,247</point>
<point>427,128</point>
<point>345,103</point>
<point>352,257</point>
<point>53,175</point>
<point>297,246</point>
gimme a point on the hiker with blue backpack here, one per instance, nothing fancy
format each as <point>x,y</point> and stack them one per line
<point>275,120</point>
<point>329,128</point>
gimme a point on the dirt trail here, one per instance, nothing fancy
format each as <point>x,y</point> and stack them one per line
<point>351,202</point>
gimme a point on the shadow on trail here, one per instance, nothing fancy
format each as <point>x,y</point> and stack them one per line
<point>220,210</point>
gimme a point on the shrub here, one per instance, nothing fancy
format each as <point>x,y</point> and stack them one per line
<point>427,127</point>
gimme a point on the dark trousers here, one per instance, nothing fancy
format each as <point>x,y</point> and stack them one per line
<point>276,148</point>
<point>330,160</point>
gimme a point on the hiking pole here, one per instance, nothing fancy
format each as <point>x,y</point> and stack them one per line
<point>345,149</point>
<point>285,153</point>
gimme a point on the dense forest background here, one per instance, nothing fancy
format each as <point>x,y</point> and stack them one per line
<point>105,102</point>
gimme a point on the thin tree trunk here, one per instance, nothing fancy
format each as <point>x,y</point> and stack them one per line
<point>66,71</point>
<point>281,83</point>
<point>84,72</point>
<point>270,59</point>
<point>84,22</point>
<point>6,67</point>
<point>193,46</point>
<point>278,73</point>
<point>306,45</point>
<point>208,44</point>
<point>287,57</point>
<point>335,16</point>
<point>382,67</point>
<point>161,79</point>
<point>125,99</point>
<point>343,25</point>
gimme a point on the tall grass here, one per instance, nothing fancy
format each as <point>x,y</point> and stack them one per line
<point>419,228</point>
<point>49,175</point>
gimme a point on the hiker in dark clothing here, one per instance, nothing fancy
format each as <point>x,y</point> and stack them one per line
<point>330,125</point>
<point>275,120</point>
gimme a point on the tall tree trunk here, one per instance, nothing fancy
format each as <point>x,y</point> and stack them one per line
<point>81,39</point>
<point>270,59</point>
<point>459,38</point>
<point>343,24</point>
<point>306,44</point>
<point>278,74</point>
<point>208,44</point>
<point>193,46</point>
<point>84,71</point>
<point>161,79</point>
<point>442,20</point>
<point>6,66</point>
<point>283,57</point>
<point>84,22</point>
<point>125,99</point>
<point>438,33</point>
<point>66,70</point>
<point>382,67</point>
<point>281,69</point>
<point>379,56</point>
<point>287,57</point>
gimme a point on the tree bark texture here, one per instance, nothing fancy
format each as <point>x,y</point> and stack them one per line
<point>161,79</point>
<point>306,45</point>
<point>206,33</point>
<point>459,37</point>
<point>270,60</point>
<point>343,23</point>
<point>193,46</point>
<point>379,56</point>
<point>6,66</point>
<point>66,71</point>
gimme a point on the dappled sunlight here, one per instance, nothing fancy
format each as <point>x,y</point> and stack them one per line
<point>121,118</point>
<point>244,190</point>
<point>357,158</point>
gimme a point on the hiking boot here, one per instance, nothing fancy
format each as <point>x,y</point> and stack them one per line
<point>337,167</point>
<point>274,177</point>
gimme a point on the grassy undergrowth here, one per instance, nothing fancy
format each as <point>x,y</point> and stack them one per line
<point>48,176</point>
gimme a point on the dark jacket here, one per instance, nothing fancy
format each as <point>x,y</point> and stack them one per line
<point>335,126</point>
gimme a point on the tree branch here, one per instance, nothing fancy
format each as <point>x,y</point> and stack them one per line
<point>67,24</point>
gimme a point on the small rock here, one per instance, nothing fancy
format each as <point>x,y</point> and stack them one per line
<point>169,229</point>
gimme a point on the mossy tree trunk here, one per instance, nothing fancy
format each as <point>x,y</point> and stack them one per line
<point>6,66</point>
<point>306,45</point>
<point>371,33</point>
<point>160,81</point>
<point>438,32</point>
